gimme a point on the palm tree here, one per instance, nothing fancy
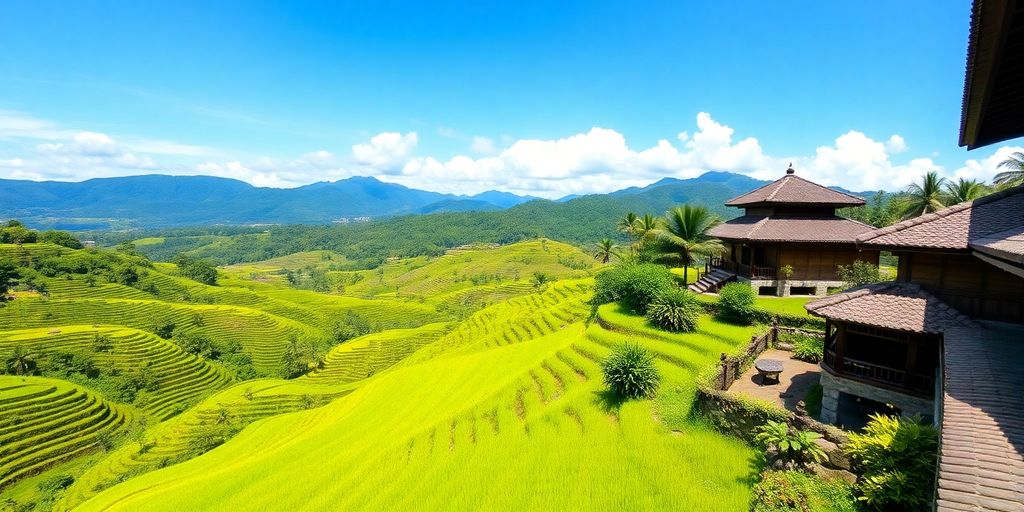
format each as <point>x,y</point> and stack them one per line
<point>646,228</point>
<point>20,362</point>
<point>1015,175</point>
<point>686,235</point>
<point>605,250</point>
<point>924,197</point>
<point>963,190</point>
<point>627,224</point>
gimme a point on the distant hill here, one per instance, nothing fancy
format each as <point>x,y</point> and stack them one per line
<point>159,201</point>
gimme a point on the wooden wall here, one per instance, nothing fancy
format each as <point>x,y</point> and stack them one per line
<point>819,262</point>
<point>966,283</point>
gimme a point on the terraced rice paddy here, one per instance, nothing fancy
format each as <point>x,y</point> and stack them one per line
<point>181,377</point>
<point>479,390</point>
<point>47,421</point>
<point>520,425</point>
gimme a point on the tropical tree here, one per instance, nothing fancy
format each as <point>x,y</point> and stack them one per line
<point>20,362</point>
<point>685,235</point>
<point>646,230</point>
<point>924,197</point>
<point>605,250</point>
<point>1014,175</point>
<point>627,224</point>
<point>963,190</point>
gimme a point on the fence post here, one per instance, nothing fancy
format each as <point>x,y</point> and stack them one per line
<point>724,371</point>
<point>775,331</point>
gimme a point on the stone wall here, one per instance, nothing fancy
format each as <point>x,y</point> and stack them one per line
<point>833,385</point>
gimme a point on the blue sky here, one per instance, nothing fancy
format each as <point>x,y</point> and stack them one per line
<point>540,97</point>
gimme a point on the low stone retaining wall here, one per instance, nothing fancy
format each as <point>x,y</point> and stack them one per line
<point>741,416</point>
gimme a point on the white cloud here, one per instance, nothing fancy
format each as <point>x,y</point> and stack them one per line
<point>896,144</point>
<point>482,146</point>
<point>986,168</point>
<point>95,144</point>
<point>596,160</point>
<point>386,152</point>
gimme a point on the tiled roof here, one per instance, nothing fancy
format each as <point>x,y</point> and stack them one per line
<point>790,189</point>
<point>981,464</point>
<point>891,305</point>
<point>829,229</point>
<point>955,227</point>
<point>1008,245</point>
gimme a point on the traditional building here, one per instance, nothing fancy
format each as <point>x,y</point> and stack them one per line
<point>789,224</point>
<point>948,335</point>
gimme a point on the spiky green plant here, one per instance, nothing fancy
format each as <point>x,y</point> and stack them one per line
<point>629,372</point>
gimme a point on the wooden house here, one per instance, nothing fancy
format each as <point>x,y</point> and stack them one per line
<point>789,224</point>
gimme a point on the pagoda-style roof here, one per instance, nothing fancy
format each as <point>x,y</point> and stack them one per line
<point>791,228</point>
<point>795,191</point>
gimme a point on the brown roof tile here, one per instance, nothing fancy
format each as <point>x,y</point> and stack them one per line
<point>791,229</point>
<point>981,464</point>
<point>790,189</point>
<point>899,306</point>
<point>1008,245</point>
<point>955,227</point>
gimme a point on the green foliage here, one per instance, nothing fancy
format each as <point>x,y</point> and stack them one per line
<point>806,347</point>
<point>102,343</point>
<point>196,343</point>
<point>163,328</point>
<point>786,272</point>
<point>69,363</point>
<point>301,356</point>
<point>62,238</point>
<point>20,362</point>
<point>675,310</point>
<point>8,274</point>
<point>791,444</point>
<point>635,284</point>
<point>883,209</point>
<point>924,197</point>
<point>17,234</point>
<point>796,491</point>
<point>540,279</point>
<point>897,457</point>
<point>685,235</point>
<point>124,273</point>
<point>196,270</point>
<point>1014,173</point>
<point>629,372</point>
<point>858,273</point>
<point>736,303</point>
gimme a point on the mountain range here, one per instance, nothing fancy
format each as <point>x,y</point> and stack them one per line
<point>158,201</point>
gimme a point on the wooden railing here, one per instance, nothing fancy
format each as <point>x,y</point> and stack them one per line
<point>870,372</point>
<point>751,271</point>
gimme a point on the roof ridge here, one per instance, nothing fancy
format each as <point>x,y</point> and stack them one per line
<point>830,189</point>
<point>945,212</point>
<point>781,183</point>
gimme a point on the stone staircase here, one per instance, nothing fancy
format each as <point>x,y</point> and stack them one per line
<point>712,281</point>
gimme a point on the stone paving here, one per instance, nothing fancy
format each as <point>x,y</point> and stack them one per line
<point>797,377</point>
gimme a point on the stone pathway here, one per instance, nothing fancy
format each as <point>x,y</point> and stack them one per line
<point>797,377</point>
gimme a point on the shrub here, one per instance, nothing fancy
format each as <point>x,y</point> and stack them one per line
<point>630,372</point>
<point>785,491</point>
<point>195,343</point>
<point>736,303</point>
<point>635,284</point>
<point>792,445</point>
<point>898,459</point>
<point>196,270</point>
<point>808,348</point>
<point>858,273</point>
<point>675,310</point>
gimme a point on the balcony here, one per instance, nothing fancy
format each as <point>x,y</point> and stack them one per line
<point>740,269</point>
<point>893,378</point>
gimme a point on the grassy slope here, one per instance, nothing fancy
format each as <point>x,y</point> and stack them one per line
<point>497,428</point>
